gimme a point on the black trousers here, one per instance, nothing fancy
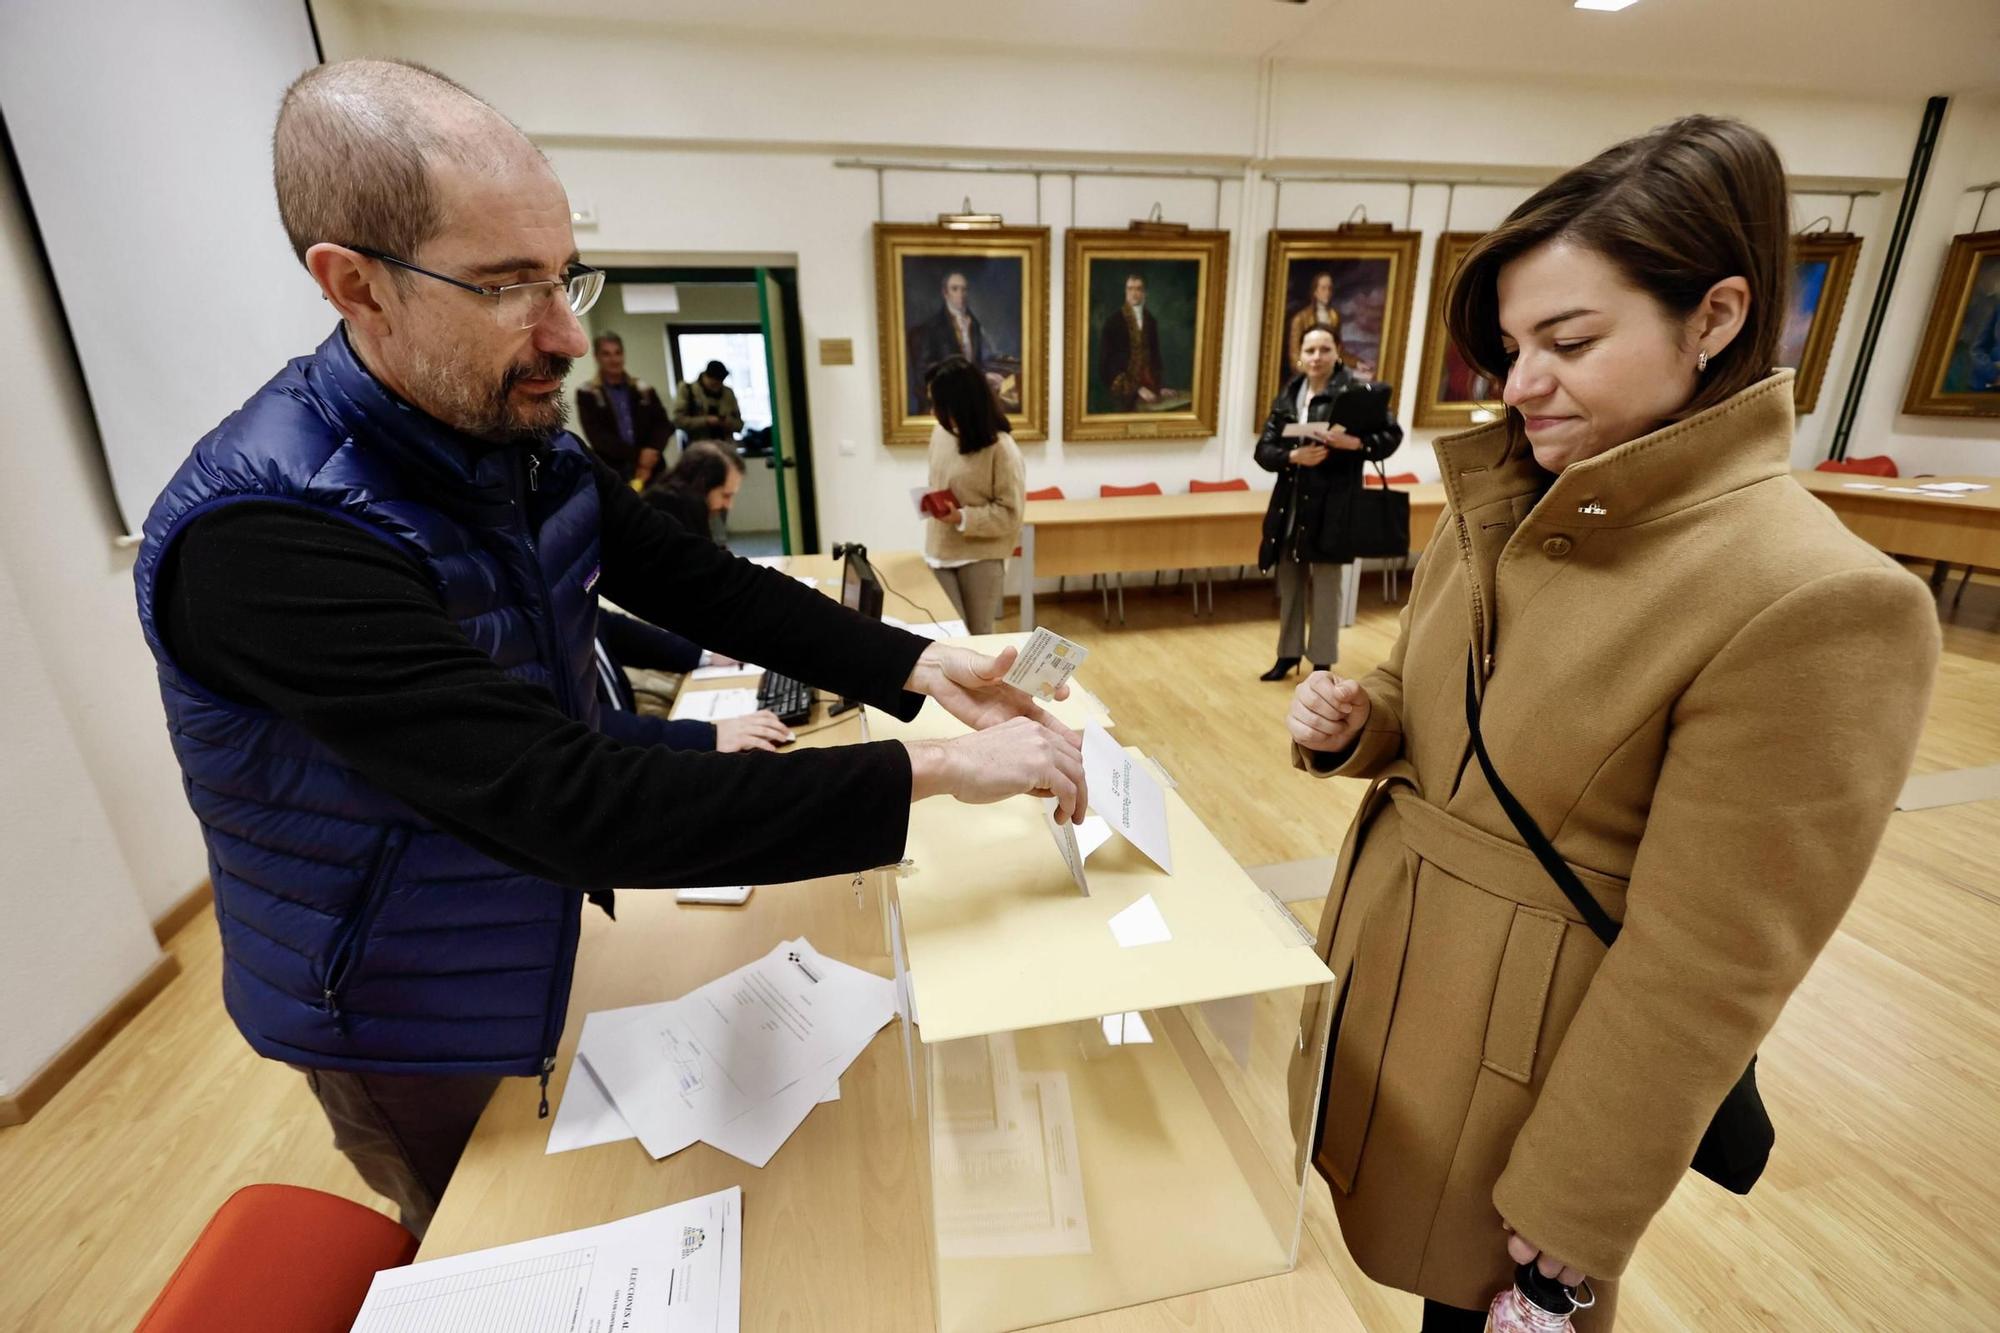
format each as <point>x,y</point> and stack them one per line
<point>1451,1319</point>
<point>403,1132</point>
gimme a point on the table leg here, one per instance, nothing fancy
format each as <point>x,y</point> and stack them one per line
<point>1028,576</point>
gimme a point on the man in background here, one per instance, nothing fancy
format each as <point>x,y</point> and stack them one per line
<point>622,418</point>
<point>706,407</point>
<point>1128,351</point>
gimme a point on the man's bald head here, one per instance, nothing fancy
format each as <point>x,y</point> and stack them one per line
<point>355,146</point>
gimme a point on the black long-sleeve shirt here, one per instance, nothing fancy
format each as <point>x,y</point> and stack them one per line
<point>341,632</point>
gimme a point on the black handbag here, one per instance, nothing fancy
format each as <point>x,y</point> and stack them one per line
<point>1364,522</point>
<point>1738,1141</point>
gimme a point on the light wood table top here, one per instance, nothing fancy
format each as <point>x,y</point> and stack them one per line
<point>1134,533</point>
<point>1901,520</point>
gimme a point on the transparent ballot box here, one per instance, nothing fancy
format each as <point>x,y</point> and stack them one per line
<point>1104,1112</point>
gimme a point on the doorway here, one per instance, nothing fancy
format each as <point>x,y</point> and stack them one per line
<point>674,321</point>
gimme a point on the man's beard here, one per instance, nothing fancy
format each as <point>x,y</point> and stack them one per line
<point>451,395</point>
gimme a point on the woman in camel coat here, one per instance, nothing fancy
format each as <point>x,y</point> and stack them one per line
<point>1703,689</point>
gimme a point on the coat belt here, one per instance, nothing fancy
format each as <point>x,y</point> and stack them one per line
<point>1368,953</point>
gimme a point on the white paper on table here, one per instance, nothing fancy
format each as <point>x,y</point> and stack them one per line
<point>683,1069</point>
<point>756,1135</point>
<point>1141,923</point>
<point>1232,1020</point>
<point>943,629</point>
<point>769,561</point>
<point>1862,486</point>
<point>588,1117</point>
<point>715,705</point>
<point>1952,486</point>
<point>725,672</point>
<point>676,1269</point>
<point>1126,792</point>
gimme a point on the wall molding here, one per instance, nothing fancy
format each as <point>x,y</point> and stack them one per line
<point>18,1107</point>
<point>168,923</point>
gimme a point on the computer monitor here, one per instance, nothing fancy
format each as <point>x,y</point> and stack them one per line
<point>860,591</point>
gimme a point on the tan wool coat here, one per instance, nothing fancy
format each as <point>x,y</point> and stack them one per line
<point>1707,693</point>
<point>990,487</point>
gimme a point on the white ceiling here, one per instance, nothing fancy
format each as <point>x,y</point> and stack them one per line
<point>1867,48</point>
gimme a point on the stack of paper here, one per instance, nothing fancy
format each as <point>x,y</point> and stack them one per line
<point>676,1269</point>
<point>738,1063</point>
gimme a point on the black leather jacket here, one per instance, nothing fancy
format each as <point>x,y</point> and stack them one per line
<point>1293,526</point>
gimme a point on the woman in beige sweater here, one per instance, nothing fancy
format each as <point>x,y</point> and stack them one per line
<point>975,459</point>
<point>1701,688</point>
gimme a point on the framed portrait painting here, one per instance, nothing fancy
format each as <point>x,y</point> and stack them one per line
<point>1958,366</point>
<point>1450,391</point>
<point>1359,279</point>
<point>980,293</point>
<point>1142,332</point>
<point>1822,267</point>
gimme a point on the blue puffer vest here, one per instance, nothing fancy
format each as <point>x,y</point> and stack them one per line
<point>356,935</point>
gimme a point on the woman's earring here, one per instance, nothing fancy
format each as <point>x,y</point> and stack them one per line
<point>1701,362</point>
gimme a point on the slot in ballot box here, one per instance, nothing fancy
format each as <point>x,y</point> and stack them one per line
<point>1105,1123</point>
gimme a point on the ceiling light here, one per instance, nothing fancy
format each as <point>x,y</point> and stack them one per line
<point>1607,6</point>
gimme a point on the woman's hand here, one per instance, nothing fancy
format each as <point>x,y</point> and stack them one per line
<point>947,510</point>
<point>1328,712</point>
<point>1338,438</point>
<point>1309,455</point>
<point>1522,1250</point>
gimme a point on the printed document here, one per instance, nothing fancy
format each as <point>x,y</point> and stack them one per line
<point>677,1269</point>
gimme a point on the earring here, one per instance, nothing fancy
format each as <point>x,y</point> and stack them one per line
<point>1701,362</point>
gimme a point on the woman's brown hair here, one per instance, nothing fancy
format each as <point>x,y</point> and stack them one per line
<point>1677,211</point>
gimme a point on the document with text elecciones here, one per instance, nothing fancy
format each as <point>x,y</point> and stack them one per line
<point>677,1269</point>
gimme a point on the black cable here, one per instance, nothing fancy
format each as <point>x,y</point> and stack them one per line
<point>888,587</point>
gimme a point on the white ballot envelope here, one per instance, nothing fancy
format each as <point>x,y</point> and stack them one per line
<point>1126,791</point>
<point>1046,663</point>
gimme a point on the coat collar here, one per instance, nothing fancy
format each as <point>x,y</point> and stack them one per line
<point>1739,442</point>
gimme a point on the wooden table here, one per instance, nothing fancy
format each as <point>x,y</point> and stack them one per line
<point>837,1226</point>
<point>1951,532</point>
<point>1129,534</point>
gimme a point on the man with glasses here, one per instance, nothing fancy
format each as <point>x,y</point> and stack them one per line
<point>372,592</point>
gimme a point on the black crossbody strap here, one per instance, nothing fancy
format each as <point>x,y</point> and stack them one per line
<point>1589,908</point>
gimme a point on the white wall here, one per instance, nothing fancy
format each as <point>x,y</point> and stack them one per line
<point>697,143</point>
<point>1968,153</point>
<point>95,838</point>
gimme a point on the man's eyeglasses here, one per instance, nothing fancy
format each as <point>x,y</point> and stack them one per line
<point>520,305</point>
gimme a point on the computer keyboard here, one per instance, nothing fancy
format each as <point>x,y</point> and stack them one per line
<point>791,700</point>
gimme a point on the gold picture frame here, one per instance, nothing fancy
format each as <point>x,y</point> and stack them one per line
<point>1373,272</point>
<point>1156,375</point>
<point>1451,392</point>
<point>1823,266</point>
<point>1005,301</point>
<point>1958,364</point>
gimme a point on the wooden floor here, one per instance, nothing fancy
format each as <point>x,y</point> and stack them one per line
<point>1881,1208</point>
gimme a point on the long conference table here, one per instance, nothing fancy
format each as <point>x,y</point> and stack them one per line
<point>836,1228</point>
<point>1963,531</point>
<point>1136,533</point>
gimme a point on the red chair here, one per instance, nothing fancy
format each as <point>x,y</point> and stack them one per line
<point>279,1256</point>
<point>1881,465</point>
<point>1199,487</point>
<point>1400,479</point>
<point>1112,493</point>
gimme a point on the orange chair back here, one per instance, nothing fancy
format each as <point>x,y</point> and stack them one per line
<point>1144,488</point>
<point>279,1256</point>
<point>1395,479</point>
<point>1881,465</point>
<point>1046,493</point>
<point>1233,484</point>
